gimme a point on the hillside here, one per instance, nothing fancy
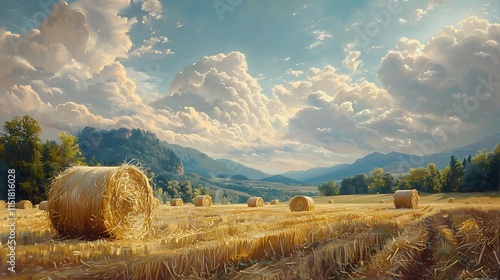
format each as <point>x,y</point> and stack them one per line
<point>237,168</point>
<point>280,179</point>
<point>197,162</point>
<point>116,146</point>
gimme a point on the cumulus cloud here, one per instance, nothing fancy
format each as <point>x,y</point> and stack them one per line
<point>153,7</point>
<point>453,79</point>
<point>351,61</point>
<point>68,74</point>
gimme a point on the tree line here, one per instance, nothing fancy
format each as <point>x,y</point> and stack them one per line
<point>477,173</point>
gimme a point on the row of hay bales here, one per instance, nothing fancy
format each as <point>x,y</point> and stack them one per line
<point>118,202</point>
<point>23,204</point>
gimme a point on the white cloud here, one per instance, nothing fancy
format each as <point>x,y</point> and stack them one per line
<point>351,61</point>
<point>452,80</point>
<point>321,35</point>
<point>295,73</point>
<point>68,74</point>
<point>420,13</point>
<point>153,7</point>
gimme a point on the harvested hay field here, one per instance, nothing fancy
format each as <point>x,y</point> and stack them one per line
<point>345,240</point>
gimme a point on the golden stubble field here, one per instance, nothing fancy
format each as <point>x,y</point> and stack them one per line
<point>355,237</point>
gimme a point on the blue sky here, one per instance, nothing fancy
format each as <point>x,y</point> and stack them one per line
<point>278,85</point>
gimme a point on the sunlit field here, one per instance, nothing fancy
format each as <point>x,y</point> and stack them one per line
<point>345,237</point>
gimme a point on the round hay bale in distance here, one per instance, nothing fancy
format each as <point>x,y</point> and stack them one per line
<point>381,201</point>
<point>203,200</point>
<point>451,200</point>
<point>24,204</point>
<point>406,199</point>
<point>330,201</point>
<point>101,202</point>
<point>176,202</point>
<point>467,202</point>
<point>43,205</point>
<point>275,202</point>
<point>301,203</point>
<point>255,201</point>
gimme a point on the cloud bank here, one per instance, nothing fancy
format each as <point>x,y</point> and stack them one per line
<point>68,74</point>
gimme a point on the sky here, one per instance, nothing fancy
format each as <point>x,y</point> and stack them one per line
<point>275,85</point>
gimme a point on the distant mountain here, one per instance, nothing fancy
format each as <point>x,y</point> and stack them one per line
<point>197,162</point>
<point>116,146</point>
<point>389,162</point>
<point>442,159</point>
<point>280,179</point>
<point>237,168</point>
<point>307,175</point>
<point>392,162</point>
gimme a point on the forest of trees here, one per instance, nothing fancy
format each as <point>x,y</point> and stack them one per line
<point>477,173</point>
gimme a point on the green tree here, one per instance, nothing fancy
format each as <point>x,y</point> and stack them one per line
<point>494,172</point>
<point>173,189</point>
<point>347,186</point>
<point>400,183</point>
<point>445,178</point>
<point>186,191</point>
<point>454,175</point>
<point>70,151</point>
<point>475,178</point>
<point>21,150</point>
<point>360,182</point>
<point>417,179</point>
<point>433,183</point>
<point>329,188</point>
<point>378,183</point>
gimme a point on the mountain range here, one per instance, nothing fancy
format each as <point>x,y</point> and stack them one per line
<point>119,145</point>
<point>392,162</point>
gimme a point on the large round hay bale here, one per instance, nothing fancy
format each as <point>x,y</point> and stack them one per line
<point>3,204</point>
<point>301,203</point>
<point>203,200</point>
<point>176,202</point>
<point>275,202</point>
<point>24,204</point>
<point>43,205</point>
<point>95,202</point>
<point>255,201</point>
<point>406,199</point>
